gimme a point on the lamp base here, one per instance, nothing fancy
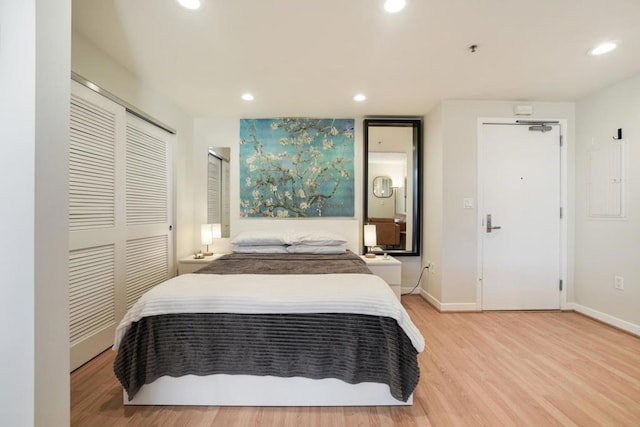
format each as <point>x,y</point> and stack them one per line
<point>207,253</point>
<point>370,255</point>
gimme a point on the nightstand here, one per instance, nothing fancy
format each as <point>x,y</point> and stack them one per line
<point>390,269</point>
<point>189,264</point>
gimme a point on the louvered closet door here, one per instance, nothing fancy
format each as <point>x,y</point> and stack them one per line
<point>119,217</point>
<point>218,207</point>
<point>226,205</point>
<point>214,196</point>
<point>95,225</point>
<point>149,254</point>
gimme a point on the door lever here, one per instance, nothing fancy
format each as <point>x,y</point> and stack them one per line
<point>489,227</point>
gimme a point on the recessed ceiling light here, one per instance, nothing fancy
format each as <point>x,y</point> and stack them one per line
<point>247,97</point>
<point>393,6</point>
<point>602,48</point>
<point>190,4</point>
<point>359,97</point>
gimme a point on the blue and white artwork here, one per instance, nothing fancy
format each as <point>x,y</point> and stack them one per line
<point>296,167</point>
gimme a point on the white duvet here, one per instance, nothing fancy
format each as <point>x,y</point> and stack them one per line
<point>268,294</point>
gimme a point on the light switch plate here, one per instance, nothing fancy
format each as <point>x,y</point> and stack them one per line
<point>468,203</point>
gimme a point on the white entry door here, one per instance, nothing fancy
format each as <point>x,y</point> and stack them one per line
<point>521,217</point>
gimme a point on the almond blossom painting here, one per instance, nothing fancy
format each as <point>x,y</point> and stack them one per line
<point>296,167</point>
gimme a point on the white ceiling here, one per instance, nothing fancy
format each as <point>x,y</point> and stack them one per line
<point>308,58</point>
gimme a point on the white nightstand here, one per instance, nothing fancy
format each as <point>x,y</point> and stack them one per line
<point>189,264</point>
<point>390,269</point>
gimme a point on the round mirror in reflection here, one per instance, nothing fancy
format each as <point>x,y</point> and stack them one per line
<point>382,187</point>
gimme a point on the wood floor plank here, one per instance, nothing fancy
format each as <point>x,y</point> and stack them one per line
<point>493,368</point>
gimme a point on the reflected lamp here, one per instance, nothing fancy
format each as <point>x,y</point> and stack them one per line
<point>370,239</point>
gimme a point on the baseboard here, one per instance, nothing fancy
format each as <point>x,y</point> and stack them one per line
<point>408,291</point>
<point>444,306</point>
<point>632,328</point>
<point>629,327</point>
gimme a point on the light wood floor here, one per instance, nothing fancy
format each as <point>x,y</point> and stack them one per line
<point>498,368</point>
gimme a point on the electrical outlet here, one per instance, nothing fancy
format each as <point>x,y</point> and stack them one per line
<point>618,283</point>
<point>430,266</point>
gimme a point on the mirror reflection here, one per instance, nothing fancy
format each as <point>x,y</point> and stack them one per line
<point>218,206</point>
<point>382,186</point>
<point>391,149</point>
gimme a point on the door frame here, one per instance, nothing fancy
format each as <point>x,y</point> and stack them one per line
<point>564,202</point>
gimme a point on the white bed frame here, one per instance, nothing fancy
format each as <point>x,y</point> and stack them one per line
<point>249,390</point>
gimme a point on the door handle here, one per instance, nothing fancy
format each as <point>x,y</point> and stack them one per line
<point>489,227</point>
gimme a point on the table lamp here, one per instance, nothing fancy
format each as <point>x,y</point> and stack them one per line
<point>370,239</point>
<point>208,232</point>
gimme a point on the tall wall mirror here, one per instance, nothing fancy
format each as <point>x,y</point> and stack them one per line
<point>218,188</point>
<point>392,171</point>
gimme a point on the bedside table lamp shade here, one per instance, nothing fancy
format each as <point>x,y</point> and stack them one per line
<point>370,239</point>
<point>208,232</point>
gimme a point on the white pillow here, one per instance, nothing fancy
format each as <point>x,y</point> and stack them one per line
<point>259,238</point>
<point>315,238</point>
<point>315,249</point>
<point>264,249</point>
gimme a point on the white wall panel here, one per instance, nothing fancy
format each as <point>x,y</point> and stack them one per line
<point>608,246</point>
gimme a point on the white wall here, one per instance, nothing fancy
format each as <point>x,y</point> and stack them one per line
<point>432,204</point>
<point>605,248</point>
<point>34,76</point>
<point>458,253</point>
<point>94,65</point>
<point>53,57</point>
<point>17,181</point>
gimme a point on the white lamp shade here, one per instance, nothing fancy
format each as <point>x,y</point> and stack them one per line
<point>370,235</point>
<point>206,234</point>
<point>216,231</point>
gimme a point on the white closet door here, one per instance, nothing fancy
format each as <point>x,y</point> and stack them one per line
<point>120,214</point>
<point>225,219</point>
<point>218,207</point>
<point>149,254</point>
<point>96,126</point>
<point>214,195</point>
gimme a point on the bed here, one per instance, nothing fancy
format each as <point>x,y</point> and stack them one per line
<point>270,330</point>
